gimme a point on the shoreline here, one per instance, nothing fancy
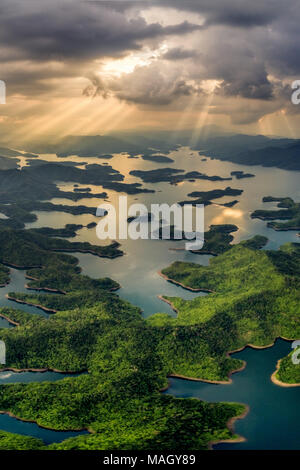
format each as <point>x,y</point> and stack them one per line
<point>235,371</point>
<point>9,413</point>
<point>278,382</point>
<point>41,371</point>
<point>160,297</point>
<point>23,302</point>
<point>182,377</point>
<point>166,278</point>
<point>90,252</point>
<point>9,320</point>
<point>230,425</point>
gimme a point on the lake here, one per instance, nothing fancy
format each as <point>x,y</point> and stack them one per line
<point>274,415</point>
<point>273,421</point>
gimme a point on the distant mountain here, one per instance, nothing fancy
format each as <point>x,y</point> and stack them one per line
<point>240,148</point>
<point>253,150</point>
<point>286,157</point>
<point>94,146</point>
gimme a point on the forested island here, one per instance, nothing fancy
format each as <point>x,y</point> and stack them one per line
<point>287,210</point>
<point>173,176</point>
<point>254,298</point>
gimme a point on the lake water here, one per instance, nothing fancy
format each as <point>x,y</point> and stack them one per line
<point>137,270</point>
<point>10,424</point>
<point>273,420</point>
<point>274,415</point>
<point>17,284</point>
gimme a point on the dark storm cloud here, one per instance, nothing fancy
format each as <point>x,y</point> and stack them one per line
<point>177,53</point>
<point>66,30</point>
<point>236,13</point>
<point>249,47</point>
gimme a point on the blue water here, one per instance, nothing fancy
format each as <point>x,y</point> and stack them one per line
<point>7,423</point>
<point>274,411</point>
<point>137,270</point>
<point>17,284</point>
<point>274,416</point>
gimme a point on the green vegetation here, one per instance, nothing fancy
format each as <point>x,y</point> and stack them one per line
<point>119,400</point>
<point>288,210</point>
<point>218,239</point>
<point>157,158</point>
<point>288,372</point>
<point>21,212</point>
<point>9,441</point>
<point>69,231</point>
<point>4,275</point>
<point>127,358</point>
<point>29,248</point>
<point>22,192</point>
<point>172,175</point>
<point>255,299</point>
<point>205,197</point>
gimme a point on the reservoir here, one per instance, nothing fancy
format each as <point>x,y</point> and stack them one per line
<point>274,415</point>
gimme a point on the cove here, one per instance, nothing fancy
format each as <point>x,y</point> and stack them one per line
<point>273,419</point>
<point>17,284</point>
<point>16,426</point>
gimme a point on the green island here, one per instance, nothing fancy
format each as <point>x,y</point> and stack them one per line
<point>10,441</point>
<point>39,182</point>
<point>173,176</point>
<point>288,210</point>
<point>287,373</point>
<point>22,192</point>
<point>216,240</point>
<point>205,197</point>
<point>157,158</point>
<point>254,298</point>
<point>69,230</point>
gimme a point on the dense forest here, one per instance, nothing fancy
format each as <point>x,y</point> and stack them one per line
<point>124,360</point>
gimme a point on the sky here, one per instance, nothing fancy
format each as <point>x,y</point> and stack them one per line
<point>94,67</point>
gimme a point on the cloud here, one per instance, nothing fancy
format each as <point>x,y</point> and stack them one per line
<point>150,85</point>
<point>249,49</point>
<point>76,30</point>
<point>177,53</point>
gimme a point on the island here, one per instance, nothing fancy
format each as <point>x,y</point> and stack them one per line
<point>157,158</point>
<point>252,301</point>
<point>205,197</point>
<point>288,210</point>
<point>173,176</point>
<point>241,175</point>
<point>127,359</point>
